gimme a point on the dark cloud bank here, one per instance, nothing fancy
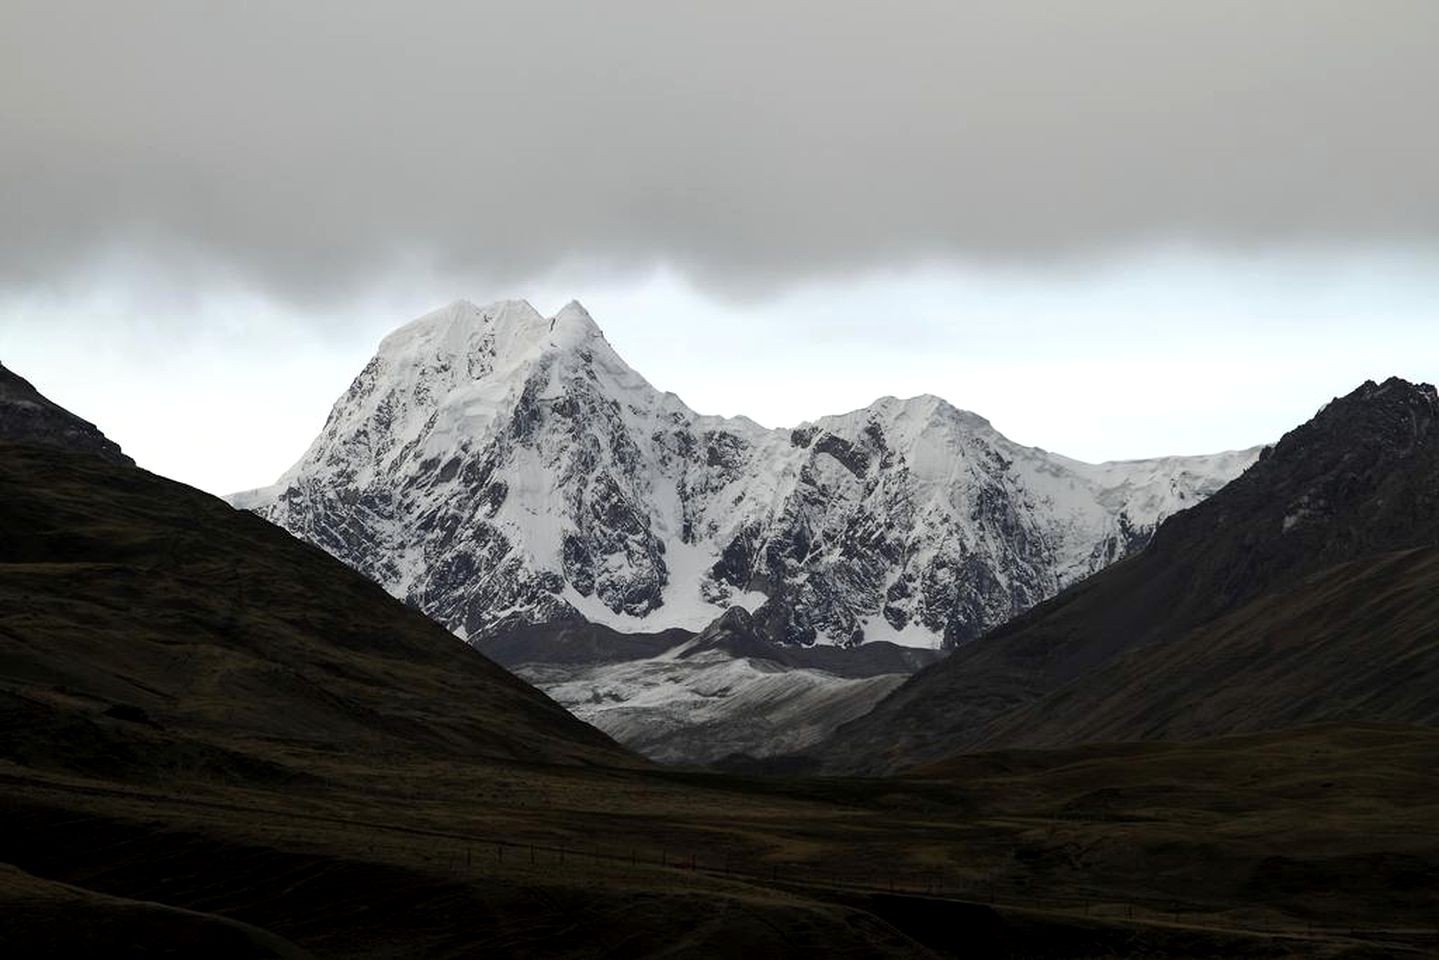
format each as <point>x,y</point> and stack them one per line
<point>310,145</point>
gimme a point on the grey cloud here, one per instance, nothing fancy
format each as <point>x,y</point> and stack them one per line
<point>312,146</point>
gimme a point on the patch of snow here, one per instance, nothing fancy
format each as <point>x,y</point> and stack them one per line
<point>708,706</point>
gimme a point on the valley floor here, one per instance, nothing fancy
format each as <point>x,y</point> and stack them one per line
<point>1320,842</point>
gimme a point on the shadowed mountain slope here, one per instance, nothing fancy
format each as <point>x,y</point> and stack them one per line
<point>1358,642</point>
<point>129,603</point>
<point>1123,656</point>
<point>27,417</point>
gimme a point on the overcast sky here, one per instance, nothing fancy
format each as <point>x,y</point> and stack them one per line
<point>1116,229</point>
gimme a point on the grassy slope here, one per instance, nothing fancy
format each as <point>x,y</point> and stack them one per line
<point>1159,849</point>
<point>121,589</point>
<point>1357,642</point>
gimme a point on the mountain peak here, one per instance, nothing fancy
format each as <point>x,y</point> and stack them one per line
<point>574,310</point>
<point>27,417</point>
<point>912,415</point>
<point>508,332</point>
<point>454,328</point>
<point>1383,420</point>
<point>573,326</point>
<point>1353,479</point>
<point>1396,391</point>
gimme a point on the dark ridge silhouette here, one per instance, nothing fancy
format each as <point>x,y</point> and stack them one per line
<point>27,417</point>
<point>1109,658</point>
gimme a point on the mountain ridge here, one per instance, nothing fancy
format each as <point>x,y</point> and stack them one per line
<point>26,416</point>
<point>1244,601</point>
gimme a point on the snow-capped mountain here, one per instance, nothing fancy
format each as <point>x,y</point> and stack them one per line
<point>495,467</point>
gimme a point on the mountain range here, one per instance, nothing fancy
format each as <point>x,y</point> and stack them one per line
<point>509,475</point>
<point>494,468</point>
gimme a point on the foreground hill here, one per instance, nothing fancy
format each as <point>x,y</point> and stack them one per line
<point>1301,592</point>
<point>143,622</point>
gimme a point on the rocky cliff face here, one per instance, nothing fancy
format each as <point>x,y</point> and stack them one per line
<point>495,467</point>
